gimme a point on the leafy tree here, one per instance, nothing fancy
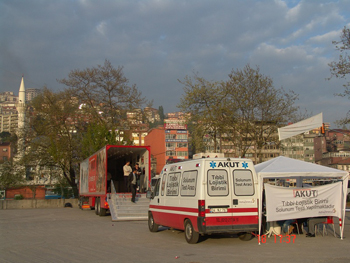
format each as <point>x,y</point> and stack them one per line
<point>161,113</point>
<point>205,103</point>
<point>96,137</point>
<point>5,136</point>
<point>66,127</point>
<point>341,68</point>
<point>51,139</point>
<point>10,176</point>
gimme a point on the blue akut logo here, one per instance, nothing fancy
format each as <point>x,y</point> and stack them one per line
<point>212,164</point>
<point>245,165</point>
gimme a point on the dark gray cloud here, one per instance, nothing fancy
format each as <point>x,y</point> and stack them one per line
<point>158,42</point>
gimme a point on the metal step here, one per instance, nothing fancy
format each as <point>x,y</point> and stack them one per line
<point>122,209</point>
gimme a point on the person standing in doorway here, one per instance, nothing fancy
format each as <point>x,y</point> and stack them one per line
<point>138,174</point>
<point>127,170</point>
<point>133,184</point>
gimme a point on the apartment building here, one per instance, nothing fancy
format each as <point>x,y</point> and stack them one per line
<point>8,123</point>
<point>8,96</point>
<point>168,142</point>
<point>31,93</point>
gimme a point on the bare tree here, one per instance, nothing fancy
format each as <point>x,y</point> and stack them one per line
<point>259,108</point>
<point>104,92</point>
<point>341,68</point>
<point>243,112</point>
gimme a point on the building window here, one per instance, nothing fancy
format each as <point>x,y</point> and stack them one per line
<point>170,153</point>
<point>170,146</point>
<point>181,144</point>
<point>182,153</point>
<point>182,136</point>
<point>4,150</point>
<point>170,136</point>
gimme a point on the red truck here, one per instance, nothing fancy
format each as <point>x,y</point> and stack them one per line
<point>102,174</point>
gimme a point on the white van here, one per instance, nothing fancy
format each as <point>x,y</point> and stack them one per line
<point>204,196</point>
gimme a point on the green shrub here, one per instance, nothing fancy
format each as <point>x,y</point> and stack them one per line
<point>18,197</point>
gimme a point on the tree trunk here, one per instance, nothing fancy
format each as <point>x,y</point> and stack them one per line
<point>73,183</point>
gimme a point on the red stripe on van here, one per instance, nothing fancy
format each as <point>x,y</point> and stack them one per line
<point>231,220</point>
<point>207,211</point>
<point>242,210</point>
<point>175,208</point>
<point>173,220</point>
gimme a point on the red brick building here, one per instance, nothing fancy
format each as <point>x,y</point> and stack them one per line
<point>27,192</point>
<point>156,139</point>
<point>6,152</point>
<point>168,142</point>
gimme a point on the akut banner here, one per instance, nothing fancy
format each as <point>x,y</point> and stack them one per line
<point>284,203</point>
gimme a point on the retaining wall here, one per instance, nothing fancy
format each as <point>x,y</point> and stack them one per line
<point>36,203</point>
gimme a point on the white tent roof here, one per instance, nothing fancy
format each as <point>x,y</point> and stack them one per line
<point>286,167</point>
<point>283,167</point>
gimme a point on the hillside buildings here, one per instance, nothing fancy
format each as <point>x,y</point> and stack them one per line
<point>333,149</point>
<point>9,106</point>
<point>170,139</point>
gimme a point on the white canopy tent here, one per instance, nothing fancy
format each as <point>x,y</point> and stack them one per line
<point>285,168</point>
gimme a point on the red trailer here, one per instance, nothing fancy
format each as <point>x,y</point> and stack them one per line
<point>102,173</point>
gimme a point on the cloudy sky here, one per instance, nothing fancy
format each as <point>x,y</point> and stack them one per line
<point>159,42</point>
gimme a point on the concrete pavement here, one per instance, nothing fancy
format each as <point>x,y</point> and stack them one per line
<point>74,235</point>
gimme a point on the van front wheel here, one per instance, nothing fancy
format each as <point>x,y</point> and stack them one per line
<point>153,227</point>
<point>191,236</point>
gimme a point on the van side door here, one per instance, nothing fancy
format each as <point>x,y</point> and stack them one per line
<point>245,197</point>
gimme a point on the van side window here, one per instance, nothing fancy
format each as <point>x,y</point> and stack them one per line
<point>188,183</point>
<point>172,184</point>
<point>243,182</point>
<point>163,183</point>
<point>217,182</point>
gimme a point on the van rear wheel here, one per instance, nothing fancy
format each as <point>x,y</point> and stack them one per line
<point>153,227</point>
<point>245,236</point>
<point>191,236</point>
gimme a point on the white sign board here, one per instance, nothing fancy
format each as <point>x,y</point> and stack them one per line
<point>284,203</point>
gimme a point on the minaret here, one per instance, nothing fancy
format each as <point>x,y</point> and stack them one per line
<point>21,106</point>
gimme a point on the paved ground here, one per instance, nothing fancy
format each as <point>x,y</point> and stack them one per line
<point>73,235</point>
